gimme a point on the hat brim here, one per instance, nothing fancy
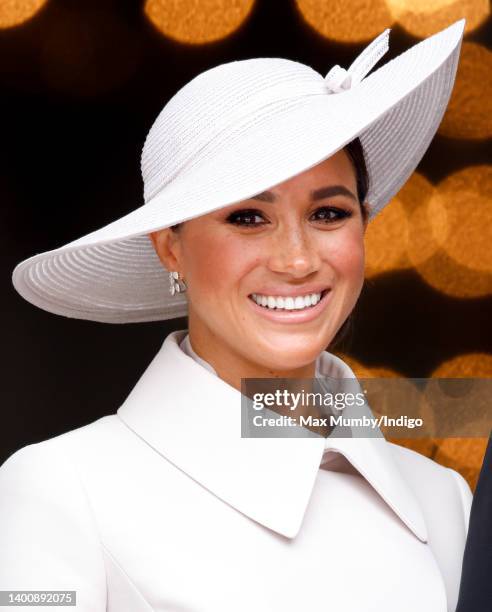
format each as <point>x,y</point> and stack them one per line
<point>113,274</point>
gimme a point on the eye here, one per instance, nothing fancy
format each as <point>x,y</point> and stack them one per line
<point>331,214</point>
<point>246,218</point>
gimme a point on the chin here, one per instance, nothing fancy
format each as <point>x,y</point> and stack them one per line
<point>290,351</point>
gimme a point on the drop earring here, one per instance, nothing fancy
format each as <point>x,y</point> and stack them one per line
<point>176,284</point>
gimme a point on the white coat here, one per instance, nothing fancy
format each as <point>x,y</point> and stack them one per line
<point>163,506</point>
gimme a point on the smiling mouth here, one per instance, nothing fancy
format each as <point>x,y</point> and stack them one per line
<point>290,303</point>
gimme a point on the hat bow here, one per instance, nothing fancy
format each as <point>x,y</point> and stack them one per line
<point>338,79</point>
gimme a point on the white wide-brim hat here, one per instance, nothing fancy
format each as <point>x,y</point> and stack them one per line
<point>232,132</point>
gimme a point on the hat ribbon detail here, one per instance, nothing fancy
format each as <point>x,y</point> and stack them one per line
<point>338,79</point>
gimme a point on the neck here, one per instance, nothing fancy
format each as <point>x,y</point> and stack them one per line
<point>231,366</point>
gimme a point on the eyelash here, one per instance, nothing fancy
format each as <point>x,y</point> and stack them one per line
<point>235,217</point>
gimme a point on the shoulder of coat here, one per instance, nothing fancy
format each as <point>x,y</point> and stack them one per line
<point>411,457</point>
<point>85,436</point>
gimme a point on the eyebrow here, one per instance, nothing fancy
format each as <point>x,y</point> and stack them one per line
<point>316,194</point>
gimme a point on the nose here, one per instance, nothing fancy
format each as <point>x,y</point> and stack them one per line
<point>293,251</point>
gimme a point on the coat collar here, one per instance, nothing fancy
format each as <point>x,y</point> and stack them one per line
<point>193,419</point>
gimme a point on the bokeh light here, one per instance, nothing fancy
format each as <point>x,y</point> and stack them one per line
<point>425,446</point>
<point>362,371</point>
<point>16,12</point>
<point>400,236</point>
<point>464,454</point>
<point>443,231</point>
<point>355,21</point>
<point>446,275</point>
<point>460,218</point>
<point>386,239</point>
<point>469,112</point>
<point>467,365</point>
<point>197,22</point>
<point>427,218</point>
<point>422,18</point>
<point>467,235</point>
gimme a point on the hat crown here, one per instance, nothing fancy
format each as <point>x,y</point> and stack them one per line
<point>210,103</point>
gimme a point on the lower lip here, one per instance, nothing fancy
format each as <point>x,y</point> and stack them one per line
<point>292,316</point>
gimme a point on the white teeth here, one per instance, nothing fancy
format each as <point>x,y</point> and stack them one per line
<point>287,303</point>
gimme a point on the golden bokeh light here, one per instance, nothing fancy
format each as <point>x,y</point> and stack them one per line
<point>469,365</point>
<point>447,276</point>
<point>464,454</point>
<point>199,21</point>
<point>424,446</point>
<point>362,371</point>
<point>427,219</point>
<point>469,112</point>
<point>383,251</point>
<point>358,21</point>
<point>467,235</point>
<point>16,12</point>
<point>400,236</point>
<point>355,21</point>
<point>422,18</point>
<point>460,218</point>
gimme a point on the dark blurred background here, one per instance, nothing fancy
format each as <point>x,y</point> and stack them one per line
<point>81,84</point>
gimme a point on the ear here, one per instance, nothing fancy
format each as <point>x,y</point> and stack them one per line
<point>166,245</point>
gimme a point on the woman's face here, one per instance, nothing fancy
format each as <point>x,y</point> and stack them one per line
<point>273,278</point>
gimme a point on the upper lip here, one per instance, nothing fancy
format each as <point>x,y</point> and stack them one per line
<point>289,291</point>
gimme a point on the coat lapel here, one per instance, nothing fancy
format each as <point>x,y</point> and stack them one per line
<point>193,419</point>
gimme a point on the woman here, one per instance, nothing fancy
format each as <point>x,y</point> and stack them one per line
<point>258,192</point>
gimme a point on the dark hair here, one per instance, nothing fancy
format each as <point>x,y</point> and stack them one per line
<point>355,153</point>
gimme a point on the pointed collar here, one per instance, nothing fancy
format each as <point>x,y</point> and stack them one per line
<point>193,419</point>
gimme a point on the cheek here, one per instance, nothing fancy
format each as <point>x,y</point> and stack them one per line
<point>215,268</point>
<point>345,254</point>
